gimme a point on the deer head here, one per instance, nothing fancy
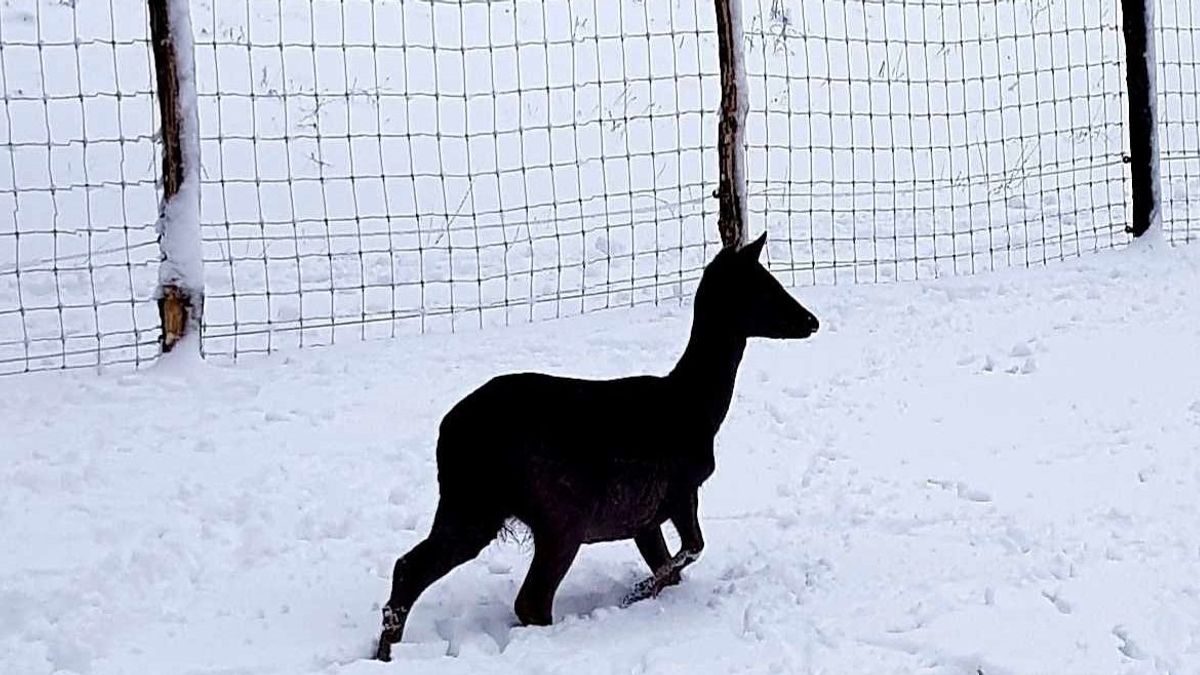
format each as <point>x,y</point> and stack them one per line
<point>738,295</point>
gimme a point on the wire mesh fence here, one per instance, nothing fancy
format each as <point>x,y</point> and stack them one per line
<point>373,167</point>
<point>912,139</point>
<point>386,167</point>
<point>77,187</point>
<point>1178,43</point>
<point>397,167</point>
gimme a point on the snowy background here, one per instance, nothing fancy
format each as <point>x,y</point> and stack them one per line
<point>961,474</point>
<point>382,168</point>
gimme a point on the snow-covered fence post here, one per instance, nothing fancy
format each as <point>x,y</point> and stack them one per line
<point>1138,21</point>
<point>180,291</point>
<point>731,132</point>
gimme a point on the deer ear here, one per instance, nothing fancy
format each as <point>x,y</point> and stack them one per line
<point>754,249</point>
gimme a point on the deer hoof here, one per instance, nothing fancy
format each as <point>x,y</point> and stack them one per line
<point>393,630</point>
<point>528,616</point>
<point>384,652</point>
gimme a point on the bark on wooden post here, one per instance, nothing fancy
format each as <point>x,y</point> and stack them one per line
<point>180,291</point>
<point>731,146</point>
<point>1138,26</point>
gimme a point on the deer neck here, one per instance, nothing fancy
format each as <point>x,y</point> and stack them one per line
<point>706,372</point>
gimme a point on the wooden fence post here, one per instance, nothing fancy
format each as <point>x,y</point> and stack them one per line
<point>180,291</point>
<point>731,146</point>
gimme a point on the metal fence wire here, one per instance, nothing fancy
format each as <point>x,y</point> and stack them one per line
<point>1178,44</point>
<point>375,167</point>
<point>78,196</point>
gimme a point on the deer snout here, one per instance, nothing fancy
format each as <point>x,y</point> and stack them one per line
<point>808,325</point>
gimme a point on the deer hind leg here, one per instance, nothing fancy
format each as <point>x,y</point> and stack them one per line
<point>455,538</point>
<point>552,557</point>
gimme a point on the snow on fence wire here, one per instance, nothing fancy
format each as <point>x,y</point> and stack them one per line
<point>375,167</point>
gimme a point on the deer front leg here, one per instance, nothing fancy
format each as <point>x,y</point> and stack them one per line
<point>653,547</point>
<point>687,522</point>
<point>668,573</point>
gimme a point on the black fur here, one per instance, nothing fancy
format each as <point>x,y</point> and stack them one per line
<point>581,461</point>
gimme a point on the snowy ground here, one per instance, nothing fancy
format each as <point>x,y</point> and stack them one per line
<point>989,475</point>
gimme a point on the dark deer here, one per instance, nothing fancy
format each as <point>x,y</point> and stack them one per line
<point>583,461</point>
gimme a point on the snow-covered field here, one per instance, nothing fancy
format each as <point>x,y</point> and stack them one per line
<point>993,475</point>
<point>374,167</point>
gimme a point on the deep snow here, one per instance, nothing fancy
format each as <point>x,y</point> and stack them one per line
<point>995,474</point>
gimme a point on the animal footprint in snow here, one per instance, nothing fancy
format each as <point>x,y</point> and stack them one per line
<point>1020,360</point>
<point>1127,647</point>
<point>1057,600</point>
